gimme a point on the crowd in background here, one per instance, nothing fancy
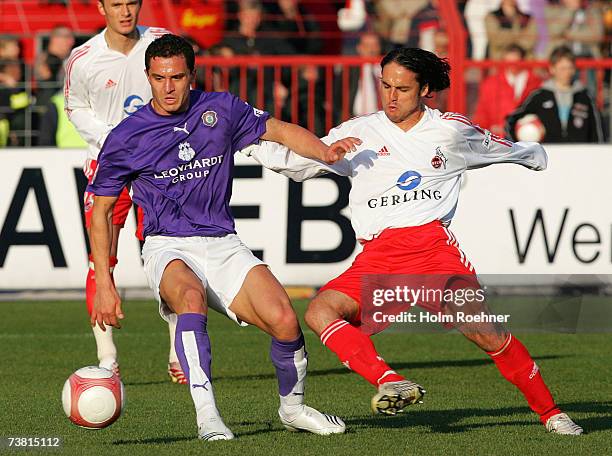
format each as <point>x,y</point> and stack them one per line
<point>505,30</point>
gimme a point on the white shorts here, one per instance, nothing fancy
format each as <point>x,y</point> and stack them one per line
<point>221,264</point>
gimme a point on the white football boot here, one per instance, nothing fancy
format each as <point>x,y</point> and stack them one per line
<point>213,428</point>
<point>562,424</point>
<point>393,397</point>
<point>311,420</point>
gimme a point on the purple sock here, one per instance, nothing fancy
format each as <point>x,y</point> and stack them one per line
<point>289,359</point>
<point>191,330</point>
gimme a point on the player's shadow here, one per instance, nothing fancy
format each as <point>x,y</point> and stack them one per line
<point>449,421</point>
<point>156,382</point>
<point>155,440</point>
<point>265,427</point>
<point>396,365</point>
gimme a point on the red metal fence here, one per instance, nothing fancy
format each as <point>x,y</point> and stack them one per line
<point>314,91</point>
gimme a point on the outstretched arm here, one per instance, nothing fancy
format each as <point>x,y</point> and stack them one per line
<point>280,159</point>
<point>306,144</point>
<point>482,148</point>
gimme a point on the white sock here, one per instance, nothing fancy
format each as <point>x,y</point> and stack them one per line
<point>104,342</point>
<point>199,384</point>
<point>172,358</point>
<point>293,403</point>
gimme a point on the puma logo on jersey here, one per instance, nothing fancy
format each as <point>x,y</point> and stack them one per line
<point>183,129</point>
<point>110,83</point>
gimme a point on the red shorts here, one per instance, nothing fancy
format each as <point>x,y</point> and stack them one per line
<point>430,251</point>
<point>122,206</point>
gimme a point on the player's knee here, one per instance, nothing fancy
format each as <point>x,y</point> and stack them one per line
<point>317,314</point>
<point>310,317</point>
<point>191,300</point>
<point>283,324</point>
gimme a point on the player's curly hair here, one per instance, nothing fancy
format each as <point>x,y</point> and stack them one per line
<point>429,68</point>
<point>170,46</point>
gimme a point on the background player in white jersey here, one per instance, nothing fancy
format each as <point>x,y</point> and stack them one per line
<point>105,82</point>
<point>406,178</point>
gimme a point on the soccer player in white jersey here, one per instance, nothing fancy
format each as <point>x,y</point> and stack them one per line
<point>105,82</point>
<point>406,177</point>
<point>177,154</point>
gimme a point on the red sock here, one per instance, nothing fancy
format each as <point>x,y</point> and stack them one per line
<point>90,282</point>
<point>356,351</point>
<point>517,366</point>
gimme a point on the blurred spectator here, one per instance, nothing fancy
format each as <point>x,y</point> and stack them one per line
<point>56,130</point>
<point>577,25</point>
<point>394,19</point>
<point>424,26</point>
<point>356,17</point>
<point>225,79</point>
<point>295,26</point>
<point>563,105</point>
<point>13,101</point>
<point>308,76</point>
<point>48,68</point>
<point>501,93</point>
<point>509,25</point>
<point>363,81</point>
<point>248,40</point>
<point>9,49</point>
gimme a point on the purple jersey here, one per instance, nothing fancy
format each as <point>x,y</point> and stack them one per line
<point>180,166</point>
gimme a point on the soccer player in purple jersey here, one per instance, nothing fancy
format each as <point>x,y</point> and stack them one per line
<point>177,155</point>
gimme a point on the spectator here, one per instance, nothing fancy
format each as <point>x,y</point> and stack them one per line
<point>48,69</point>
<point>363,81</point>
<point>575,24</point>
<point>14,101</point>
<point>394,19</point>
<point>309,75</point>
<point>248,40</point>
<point>502,93</point>
<point>55,129</point>
<point>563,105</point>
<point>509,25</point>
<point>424,26</point>
<point>293,24</point>
<point>224,79</point>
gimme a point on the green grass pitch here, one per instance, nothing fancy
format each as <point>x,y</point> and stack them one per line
<point>469,408</point>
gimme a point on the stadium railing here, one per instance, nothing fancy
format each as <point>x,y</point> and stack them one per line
<point>253,78</point>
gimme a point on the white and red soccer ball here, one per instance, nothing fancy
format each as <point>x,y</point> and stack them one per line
<point>93,397</point>
<point>530,128</point>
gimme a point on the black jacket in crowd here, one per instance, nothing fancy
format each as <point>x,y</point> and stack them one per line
<point>583,126</point>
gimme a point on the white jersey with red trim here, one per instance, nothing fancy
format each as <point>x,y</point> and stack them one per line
<point>103,86</point>
<point>404,178</point>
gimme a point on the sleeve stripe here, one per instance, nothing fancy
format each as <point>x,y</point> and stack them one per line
<point>466,121</point>
<point>77,55</point>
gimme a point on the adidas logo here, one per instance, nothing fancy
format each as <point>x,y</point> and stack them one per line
<point>384,152</point>
<point>110,83</point>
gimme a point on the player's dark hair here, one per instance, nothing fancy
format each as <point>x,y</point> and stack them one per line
<point>561,52</point>
<point>428,67</point>
<point>170,46</point>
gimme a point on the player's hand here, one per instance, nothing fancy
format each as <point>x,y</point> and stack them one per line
<point>337,150</point>
<point>107,308</point>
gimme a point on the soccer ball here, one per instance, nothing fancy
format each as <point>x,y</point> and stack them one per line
<point>93,397</point>
<point>530,128</point>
